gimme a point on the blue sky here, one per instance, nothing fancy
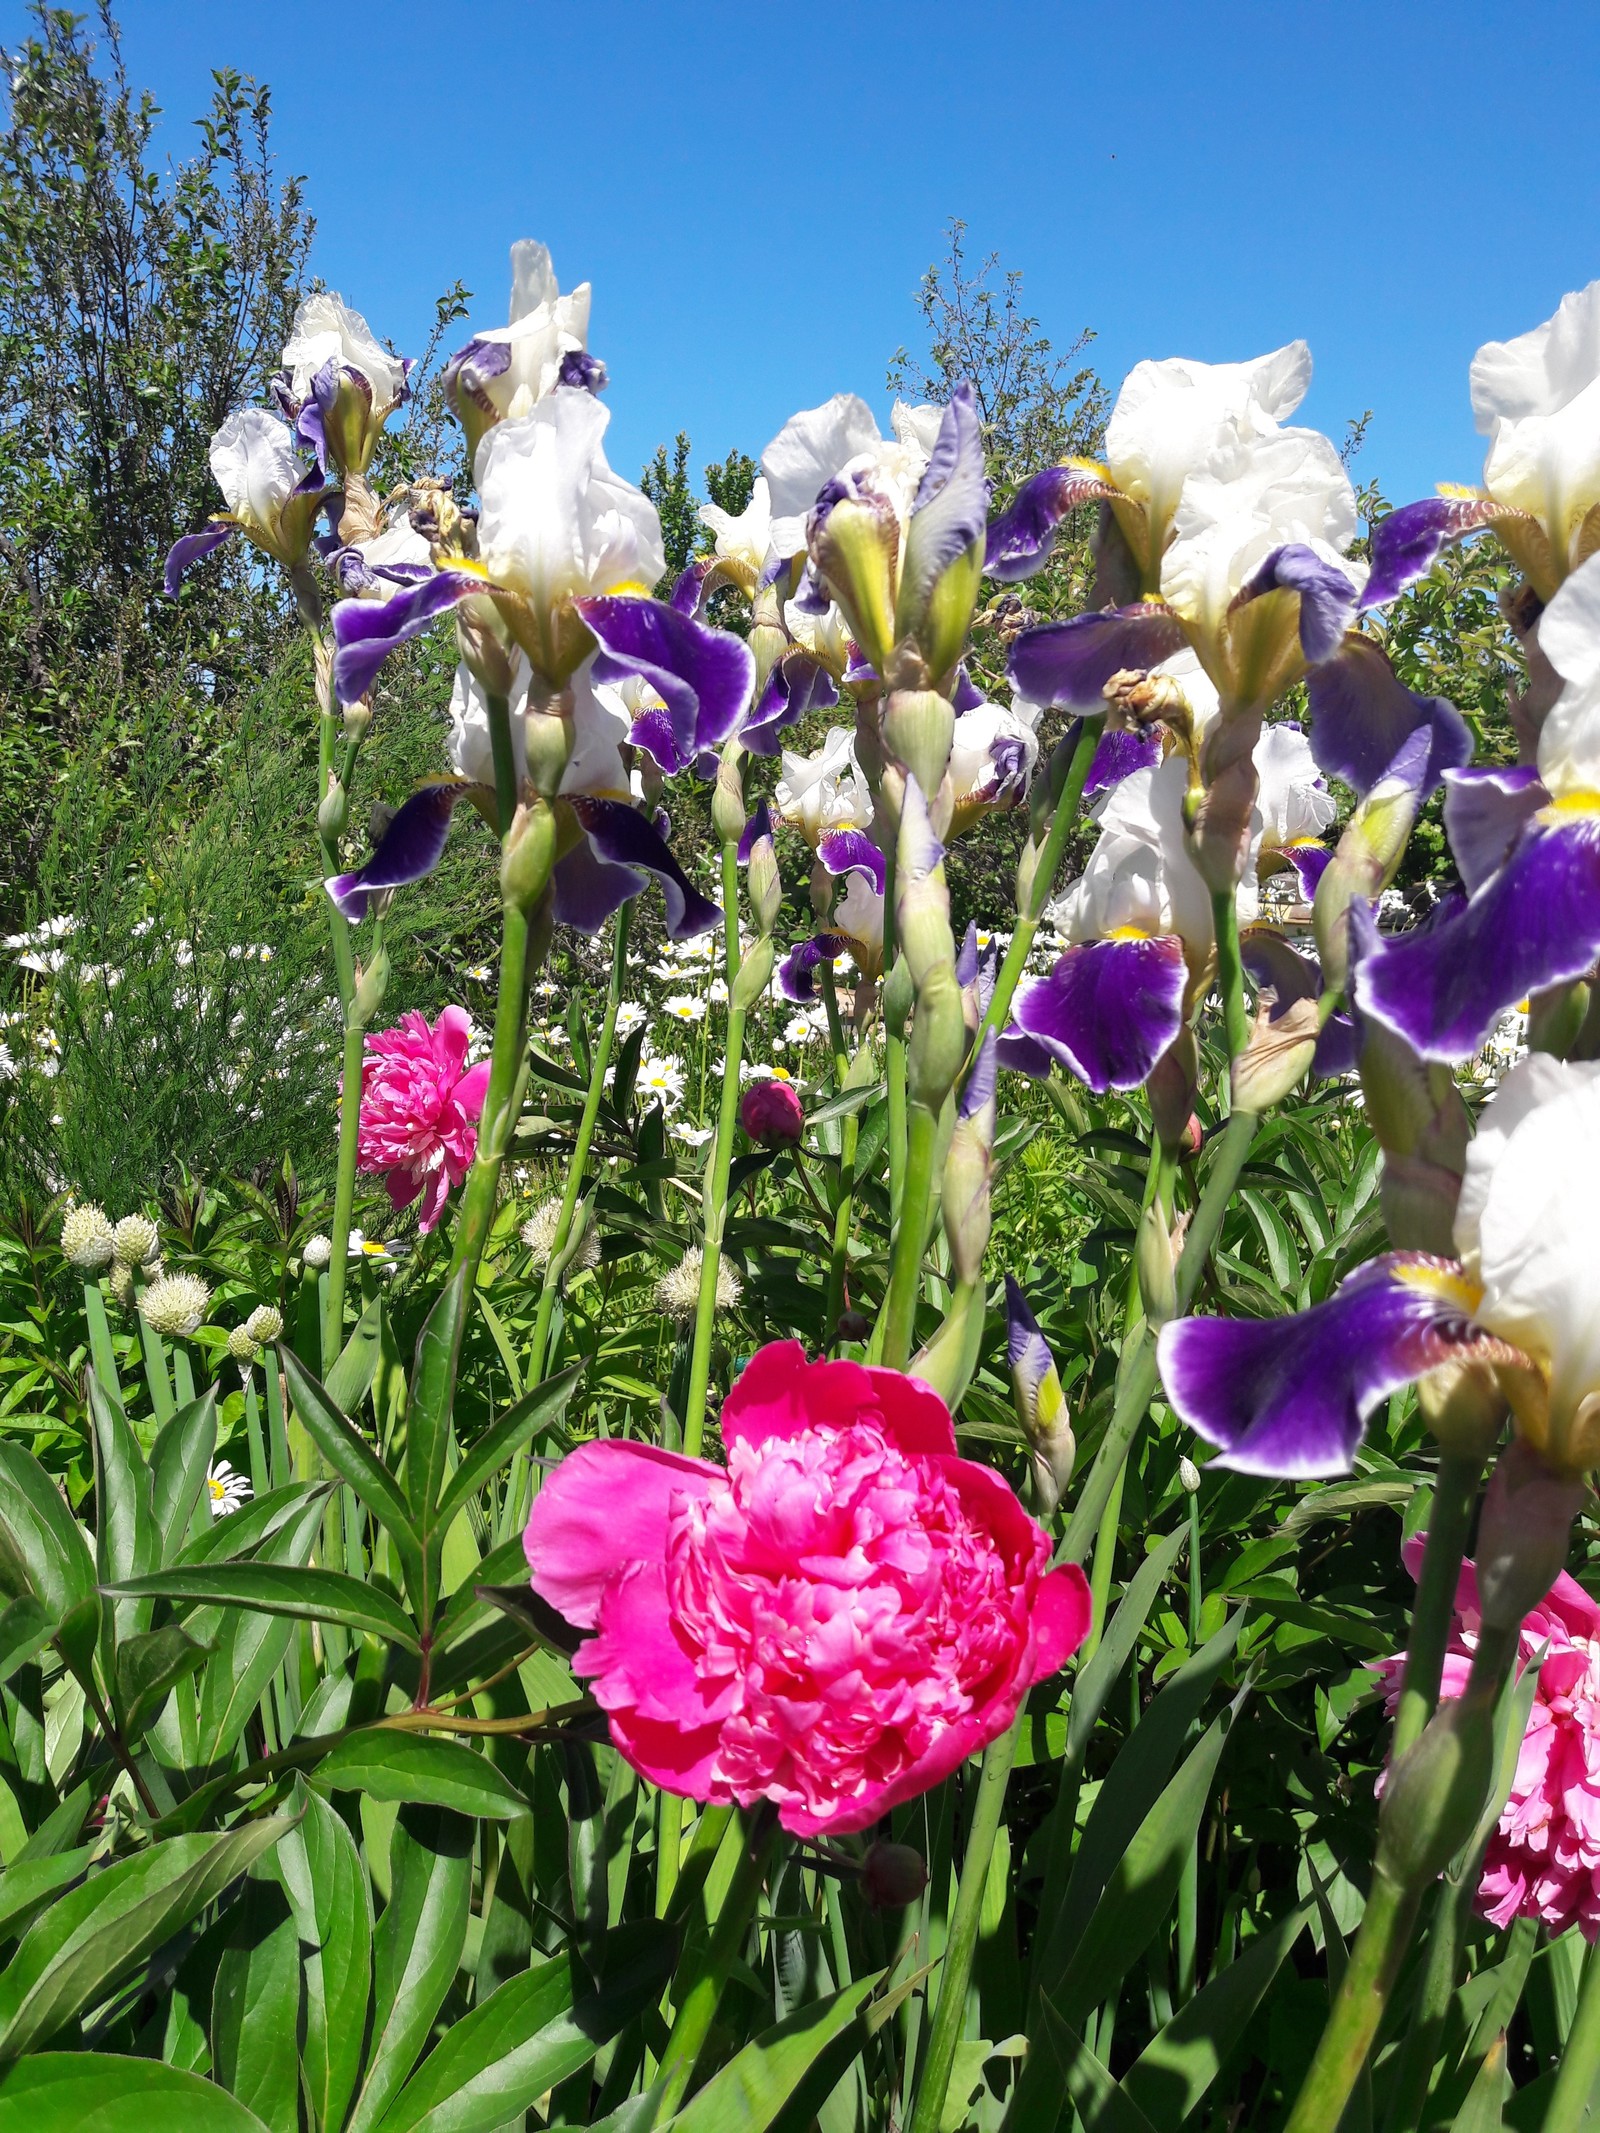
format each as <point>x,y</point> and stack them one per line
<point>754,192</point>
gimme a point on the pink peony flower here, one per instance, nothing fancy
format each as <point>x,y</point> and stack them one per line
<point>772,1114</point>
<point>420,1110</point>
<point>833,1622</point>
<point>1543,1860</point>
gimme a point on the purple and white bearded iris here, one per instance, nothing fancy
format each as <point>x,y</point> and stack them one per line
<point>1291,1396</point>
<point>273,496</point>
<point>505,370</point>
<point>1527,844</point>
<point>1537,400</point>
<point>993,753</point>
<point>840,442</point>
<point>339,385</point>
<point>1169,418</point>
<point>826,791</point>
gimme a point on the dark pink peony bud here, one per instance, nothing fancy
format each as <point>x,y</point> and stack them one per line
<point>892,1875</point>
<point>772,1114</point>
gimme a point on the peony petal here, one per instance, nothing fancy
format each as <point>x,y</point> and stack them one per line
<point>607,1504</point>
<point>1062,1614</point>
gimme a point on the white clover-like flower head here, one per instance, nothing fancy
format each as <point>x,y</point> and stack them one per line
<point>265,1324</point>
<point>677,1293</point>
<point>175,1305</point>
<point>87,1237</point>
<point>135,1241</point>
<point>318,1252</point>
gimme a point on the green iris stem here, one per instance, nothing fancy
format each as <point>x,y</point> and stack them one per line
<point>344,1189</point>
<point>910,1237</point>
<point>697,2005</point>
<point>572,1190</point>
<point>507,1058</point>
<point>1051,853</point>
<point>719,1163</point>
<point>1578,2077</point>
<point>1383,1938</point>
<point>1230,971</point>
<point>1453,1498</point>
<point>503,751</point>
<point>849,1133</point>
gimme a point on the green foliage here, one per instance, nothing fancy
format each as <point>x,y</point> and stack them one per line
<point>138,306</point>
<point>670,489</point>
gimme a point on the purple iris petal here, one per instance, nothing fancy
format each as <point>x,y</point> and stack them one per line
<point>584,371</point>
<point>952,501</point>
<point>1108,1009</point>
<point>758,826</point>
<point>1407,544</point>
<point>1310,863</point>
<point>691,586</point>
<point>189,548</point>
<point>409,848</point>
<point>622,838</point>
<point>1023,1055</point>
<point>310,426</point>
<point>1290,1396</point>
<point>1277,967</point>
<point>1069,663</point>
<point>1338,1047</point>
<point>965,695</point>
<point>797,686</point>
<point>1536,922</point>
<point>1021,538</point>
<point>365,632</point>
<point>797,973</point>
<point>470,369</point>
<point>1485,812</point>
<point>356,575</point>
<point>979,1087</point>
<point>1328,601</point>
<point>1362,715</point>
<point>1118,755</point>
<point>859,671</point>
<point>588,890</point>
<point>652,731</point>
<point>853,852</point>
<point>703,676</point>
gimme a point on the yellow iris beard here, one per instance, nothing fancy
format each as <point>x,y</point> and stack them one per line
<point>1447,1283</point>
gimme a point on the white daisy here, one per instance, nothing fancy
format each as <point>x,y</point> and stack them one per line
<point>661,1079</point>
<point>630,1016</point>
<point>228,1491</point>
<point>684,1007</point>
<point>692,1136</point>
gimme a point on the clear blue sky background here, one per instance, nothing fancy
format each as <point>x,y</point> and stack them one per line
<point>754,191</point>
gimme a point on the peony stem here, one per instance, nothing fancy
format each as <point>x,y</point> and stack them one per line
<point>719,1162</point>
<point>950,2014</point>
<point>573,1188</point>
<point>698,2002</point>
<point>1031,909</point>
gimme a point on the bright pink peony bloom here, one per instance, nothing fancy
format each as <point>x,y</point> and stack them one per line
<point>1543,1860</point>
<point>420,1105</point>
<point>834,1622</point>
<point>772,1114</point>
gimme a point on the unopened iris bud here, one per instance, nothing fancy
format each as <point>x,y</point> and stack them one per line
<point>938,1039</point>
<point>918,725</point>
<point>854,537</point>
<point>1364,861</point>
<point>547,737</point>
<point>1523,1533</point>
<point>1435,1792</point>
<point>754,974</point>
<point>898,994</point>
<point>1040,1402</point>
<point>333,813</point>
<point>727,796</point>
<point>969,1167</point>
<point>944,543</point>
<point>528,856</point>
<point>372,982</point>
<point>922,902</point>
<point>1158,1286</point>
<point>1423,1125</point>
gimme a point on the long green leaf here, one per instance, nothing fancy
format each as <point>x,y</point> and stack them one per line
<point>308,1595</point>
<point>1180,2062</point>
<point>98,1932</point>
<point>30,1882</point>
<point>26,1625</point>
<point>250,1644</point>
<point>427,1769</point>
<point>127,1541</point>
<point>356,1365</point>
<point>326,1882</point>
<point>101,2092</point>
<point>528,2036</point>
<point>255,2006</point>
<point>746,2095</point>
<point>149,1666</point>
<point>433,1382</point>
<point>536,1410</point>
<point>416,1949</point>
<point>346,1450</point>
<point>179,1459</point>
<point>1060,2056</point>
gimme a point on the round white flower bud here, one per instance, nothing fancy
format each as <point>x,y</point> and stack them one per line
<point>264,1324</point>
<point>1188,1474</point>
<point>175,1304</point>
<point>241,1347</point>
<point>121,1283</point>
<point>135,1240</point>
<point>318,1251</point>
<point>87,1237</point>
